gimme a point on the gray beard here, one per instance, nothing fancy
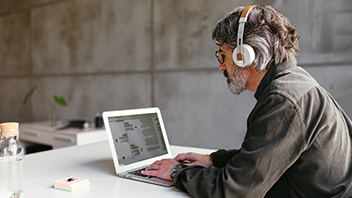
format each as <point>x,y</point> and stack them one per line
<point>237,82</point>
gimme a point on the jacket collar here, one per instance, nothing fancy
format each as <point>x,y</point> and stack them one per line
<point>272,74</point>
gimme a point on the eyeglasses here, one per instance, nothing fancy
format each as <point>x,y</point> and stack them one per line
<point>220,55</point>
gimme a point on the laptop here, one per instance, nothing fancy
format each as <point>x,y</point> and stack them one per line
<point>137,138</point>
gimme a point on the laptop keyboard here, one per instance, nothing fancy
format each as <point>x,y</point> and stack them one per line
<point>139,172</point>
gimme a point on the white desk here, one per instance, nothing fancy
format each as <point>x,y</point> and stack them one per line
<point>92,161</point>
<point>42,133</point>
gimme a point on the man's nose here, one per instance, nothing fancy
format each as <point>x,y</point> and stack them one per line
<point>222,67</point>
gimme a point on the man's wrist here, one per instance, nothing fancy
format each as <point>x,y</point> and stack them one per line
<point>175,169</point>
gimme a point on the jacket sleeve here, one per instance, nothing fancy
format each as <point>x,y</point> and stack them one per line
<point>221,157</point>
<point>273,142</point>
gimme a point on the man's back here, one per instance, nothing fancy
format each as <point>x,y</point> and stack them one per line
<point>322,143</point>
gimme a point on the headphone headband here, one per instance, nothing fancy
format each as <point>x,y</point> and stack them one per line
<point>246,10</point>
<point>240,32</point>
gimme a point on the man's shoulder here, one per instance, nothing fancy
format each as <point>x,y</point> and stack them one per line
<point>292,83</point>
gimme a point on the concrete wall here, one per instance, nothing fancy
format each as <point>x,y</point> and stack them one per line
<point>119,54</point>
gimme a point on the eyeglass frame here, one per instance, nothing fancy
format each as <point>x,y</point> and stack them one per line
<point>221,53</point>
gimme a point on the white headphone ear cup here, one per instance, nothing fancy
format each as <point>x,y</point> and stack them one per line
<point>248,56</point>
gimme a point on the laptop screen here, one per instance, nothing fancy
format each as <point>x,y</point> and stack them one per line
<point>137,137</point>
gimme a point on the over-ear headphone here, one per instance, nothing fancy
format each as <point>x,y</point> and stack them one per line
<point>243,55</point>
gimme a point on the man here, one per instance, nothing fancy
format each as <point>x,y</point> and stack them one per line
<point>298,140</point>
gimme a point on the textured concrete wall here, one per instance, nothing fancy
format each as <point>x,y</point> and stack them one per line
<point>119,54</point>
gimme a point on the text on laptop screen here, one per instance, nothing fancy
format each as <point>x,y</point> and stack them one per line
<point>137,137</point>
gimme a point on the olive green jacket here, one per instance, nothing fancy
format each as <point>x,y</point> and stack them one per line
<point>298,144</point>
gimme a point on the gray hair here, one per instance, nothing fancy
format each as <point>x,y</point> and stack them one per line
<point>269,32</point>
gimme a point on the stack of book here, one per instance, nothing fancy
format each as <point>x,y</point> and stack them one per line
<point>71,183</point>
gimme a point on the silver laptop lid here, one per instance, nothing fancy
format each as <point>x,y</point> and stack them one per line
<point>137,137</point>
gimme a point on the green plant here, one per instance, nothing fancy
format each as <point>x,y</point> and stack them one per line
<point>57,99</point>
<point>52,105</point>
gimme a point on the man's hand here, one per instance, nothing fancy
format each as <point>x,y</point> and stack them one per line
<point>161,169</point>
<point>195,159</point>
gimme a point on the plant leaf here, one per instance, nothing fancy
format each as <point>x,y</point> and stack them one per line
<point>60,100</point>
<point>29,94</point>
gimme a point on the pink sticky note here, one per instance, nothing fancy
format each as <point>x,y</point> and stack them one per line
<point>70,181</point>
